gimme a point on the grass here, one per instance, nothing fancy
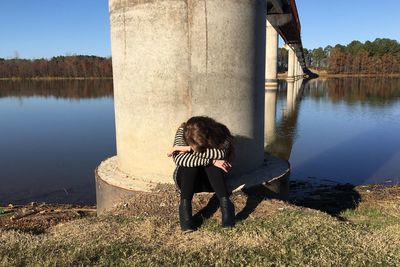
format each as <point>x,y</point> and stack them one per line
<point>275,234</point>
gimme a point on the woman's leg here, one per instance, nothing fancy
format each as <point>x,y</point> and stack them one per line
<point>217,180</point>
<point>187,178</point>
<point>216,177</point>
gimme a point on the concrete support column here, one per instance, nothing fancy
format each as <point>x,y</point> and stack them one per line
<point>291,64</point>
<point>271,58</point>
<point>171,62</point>
<point>296,67</point>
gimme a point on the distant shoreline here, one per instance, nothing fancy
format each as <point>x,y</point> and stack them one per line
<point>280,76</point>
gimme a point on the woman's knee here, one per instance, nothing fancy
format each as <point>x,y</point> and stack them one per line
<point>212,170</point>
<point>190,171</point>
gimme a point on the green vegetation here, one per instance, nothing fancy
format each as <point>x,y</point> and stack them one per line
<point>381,56</point>
<point>275,233</point>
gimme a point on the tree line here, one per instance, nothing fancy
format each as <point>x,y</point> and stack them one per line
<point>60,66</point>
<point>381,56</point>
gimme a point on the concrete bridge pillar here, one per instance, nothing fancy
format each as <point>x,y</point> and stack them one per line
<point>296,67</point>
<point>271,59</point>
<point>177,59</point>
<point>291,64</point>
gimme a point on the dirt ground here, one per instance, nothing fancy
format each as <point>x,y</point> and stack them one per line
<point>37,217</point>
<point>255,203</point>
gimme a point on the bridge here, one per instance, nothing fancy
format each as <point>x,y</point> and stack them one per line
<point>177,59</point>
<point>283,19</point>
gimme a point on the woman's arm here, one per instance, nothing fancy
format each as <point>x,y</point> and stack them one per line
<point>186,159</point>
<point>189,160</point>
<point>215,153</point>
<point>178,149</point>
<point>212,153</point>
<point>179,139</point>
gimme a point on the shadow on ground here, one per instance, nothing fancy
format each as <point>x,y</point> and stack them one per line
<point>330,198</point>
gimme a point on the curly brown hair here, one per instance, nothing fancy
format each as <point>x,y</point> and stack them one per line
<point>201,132</point>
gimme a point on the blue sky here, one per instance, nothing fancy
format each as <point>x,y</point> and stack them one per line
<point>331,22</point>
<point>46,28</point>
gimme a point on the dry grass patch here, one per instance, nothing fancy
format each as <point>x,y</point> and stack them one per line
<point>269,233</point>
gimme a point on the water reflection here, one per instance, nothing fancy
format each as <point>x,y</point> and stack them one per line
<point>279,134</point>
<point>71,89</point>
<point>50,145</point>
<point>280,137</point>
<point>270,115</point>
<point>343,130</point>
<point>368,91</point>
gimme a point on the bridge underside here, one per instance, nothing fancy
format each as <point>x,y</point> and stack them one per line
<point>283,15</point>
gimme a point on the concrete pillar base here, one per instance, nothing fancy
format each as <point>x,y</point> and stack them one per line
<point>113,187</point>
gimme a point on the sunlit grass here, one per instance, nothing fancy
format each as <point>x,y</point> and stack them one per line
<point>287,235</point>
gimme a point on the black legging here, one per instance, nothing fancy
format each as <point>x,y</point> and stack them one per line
<point>190,175</point>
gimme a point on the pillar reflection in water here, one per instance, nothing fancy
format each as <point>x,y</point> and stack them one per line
<point>281,140</point>
<point>289,98</point>
<point>270,114</point>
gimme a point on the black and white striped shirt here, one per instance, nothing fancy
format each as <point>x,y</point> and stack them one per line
<point>196,159</point>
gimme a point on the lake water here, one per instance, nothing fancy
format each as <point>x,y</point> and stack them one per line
<point>343,130</point>
<point>53,134</point>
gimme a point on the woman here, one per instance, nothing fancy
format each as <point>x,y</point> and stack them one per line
<point>202,152</point>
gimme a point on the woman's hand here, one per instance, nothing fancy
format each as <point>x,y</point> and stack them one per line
<point>222,164</point>
<point>178,149</point>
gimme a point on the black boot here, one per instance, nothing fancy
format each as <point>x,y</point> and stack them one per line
<point>185,215</point>
<point>228,212</point>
